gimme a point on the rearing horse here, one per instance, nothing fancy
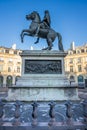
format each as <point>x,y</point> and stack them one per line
<point>46,33</point>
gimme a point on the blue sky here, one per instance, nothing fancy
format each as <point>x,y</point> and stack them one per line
<point>68,17</point>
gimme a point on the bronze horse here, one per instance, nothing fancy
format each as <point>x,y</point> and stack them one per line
<point>46,33</point>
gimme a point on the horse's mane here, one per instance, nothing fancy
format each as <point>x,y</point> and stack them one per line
<point>38,15</point>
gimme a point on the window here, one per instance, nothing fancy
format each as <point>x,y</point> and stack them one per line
<point>85,68</point>
<point>18,62</point>
<point>71,77</point>
<point>1,59</point>
<point>71,61</point>
<point>70,52</point>
<point>74,52</point>
<point>79,60</point>
<point>1,51</point>
<point>10,60</point>
<point>11,52</point>
<point>6,51</point>
<point>80,78</point>
<point>71,68</point>
<point>9,80</point>
<point>18,69</point>
<point>79,68</point>
<point>9,69</point>
<point>78,51</point>
<point>16,79</point>
<point>82,50</point>
<point>15,52</point>
<point>1,68</point>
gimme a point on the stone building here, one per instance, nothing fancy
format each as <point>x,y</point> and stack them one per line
<point>10,65</point>
<point>76,64</point>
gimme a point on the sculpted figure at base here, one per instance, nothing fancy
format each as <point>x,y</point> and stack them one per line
<point>42,29</point>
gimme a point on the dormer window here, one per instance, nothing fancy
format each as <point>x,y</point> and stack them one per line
<point>78,51</point>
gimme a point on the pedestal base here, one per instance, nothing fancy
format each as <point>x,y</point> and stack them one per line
<point>43,78</point>
<point>43,93</point>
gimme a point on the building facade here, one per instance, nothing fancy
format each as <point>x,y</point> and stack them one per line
<point>76,64</point>
<point>10,66</point>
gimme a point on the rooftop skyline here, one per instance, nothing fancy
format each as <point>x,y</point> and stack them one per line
<point>69,18</point>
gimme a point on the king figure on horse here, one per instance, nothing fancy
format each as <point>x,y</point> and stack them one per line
<point>45,22</point>
<point>42,29</point>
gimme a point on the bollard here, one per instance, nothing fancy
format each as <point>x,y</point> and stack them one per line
<point>1,112</point>
<point>17,113</point>
<point>85,110</point>
<point>69,112</point>
<point>34,114</point>
<point>52,113</point>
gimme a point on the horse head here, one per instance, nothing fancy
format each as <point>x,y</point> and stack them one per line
<point>33,16</point>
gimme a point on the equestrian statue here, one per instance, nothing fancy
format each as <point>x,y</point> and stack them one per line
<point>42,29</point>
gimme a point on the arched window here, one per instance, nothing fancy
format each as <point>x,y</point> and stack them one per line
<point>78,51</point>
<point>80,78</point>
<point>16,78</point>
<point>81,81</point>
<point>1,81</point>
<point>9,80</point>
<point>70,52</point>
<point>72,78</point>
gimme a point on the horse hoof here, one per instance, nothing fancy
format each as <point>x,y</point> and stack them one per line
<point>45,48</point>
<point>35,42</point>
<point>50,49</point>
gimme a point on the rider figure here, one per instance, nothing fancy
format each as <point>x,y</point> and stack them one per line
<point>45,22</point>
<point>46,19</point>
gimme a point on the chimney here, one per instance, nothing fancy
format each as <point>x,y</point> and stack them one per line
<point>73,45</point>
<point>14,46</point>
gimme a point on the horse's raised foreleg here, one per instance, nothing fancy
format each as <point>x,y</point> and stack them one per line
<point>21,36</point>
<point>23,33</point>
<point>26,34</point>
<point>37,40</point>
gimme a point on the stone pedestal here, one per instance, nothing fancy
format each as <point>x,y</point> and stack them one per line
<point>43,78</point>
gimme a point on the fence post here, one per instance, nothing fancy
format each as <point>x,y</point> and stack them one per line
<point>52,113</point>
<point>1,112</point>
<point>68,112</point>
<point>34,113</point>
<point>85,110</point>
<point>17,114</point>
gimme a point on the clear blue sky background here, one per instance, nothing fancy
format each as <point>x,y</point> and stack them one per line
<point>68,17</point>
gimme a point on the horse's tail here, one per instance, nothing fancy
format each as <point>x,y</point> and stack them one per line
<point>60,42</point>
